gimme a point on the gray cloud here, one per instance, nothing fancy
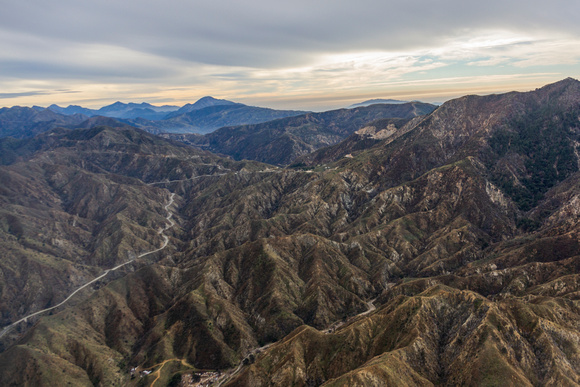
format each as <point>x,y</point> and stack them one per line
<point>259,33</point>
<point>37,92</point>
<point>25,94</point>
<point>265,46</point>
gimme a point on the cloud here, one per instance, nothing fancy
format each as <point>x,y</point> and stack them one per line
<point>23,94</point>
<point>260,33</point>
<point>35,93</point>
<point>259,47</point>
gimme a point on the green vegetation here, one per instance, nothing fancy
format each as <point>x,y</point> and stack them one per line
<point>175,380</point>
<point>544,140</point>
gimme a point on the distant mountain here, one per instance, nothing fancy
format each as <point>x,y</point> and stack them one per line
<point>202,103</point>
<point>119,110</point>
<point>281,141</point>
<point>203,116</point>
<point>135,110</point>
<point>22,122</point>
<point>376,101</point>
<point>205,119</point>
<point>72,109</point>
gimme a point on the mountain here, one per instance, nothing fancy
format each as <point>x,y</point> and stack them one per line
<point>77,201</point>
<point>281,141</point>
<point>446,253</point>
<point>371,134</point>
<point>22,122</point>
<point>199,119</point>
<point>72,109</point>
<point>119,110</point>
<point>376,101</point>
<point>134,110</point>
<point>203,116</point>
<point>490,298</point>
<point>202,103</point>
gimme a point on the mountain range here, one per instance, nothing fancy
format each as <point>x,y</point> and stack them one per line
<point>281,141</point>
<point>205,119</point>
<point>203,116</point>
<point>440,247</point>
<point>119,110</point>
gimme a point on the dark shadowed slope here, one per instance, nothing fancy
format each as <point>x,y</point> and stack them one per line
<point>281,141</point>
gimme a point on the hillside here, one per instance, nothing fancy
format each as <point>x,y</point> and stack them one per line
<point>456,229</point>
<point>281,141</point>
<point>371,134</point>
<point>75,202</point>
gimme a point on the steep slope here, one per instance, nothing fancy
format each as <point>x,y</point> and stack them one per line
<point>471,286</point>
<point>281,141</point>
<point>528,334</point>
<point>75,202</point>
<point>373,133</point>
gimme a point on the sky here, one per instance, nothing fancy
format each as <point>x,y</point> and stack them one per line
<point>311,55</point>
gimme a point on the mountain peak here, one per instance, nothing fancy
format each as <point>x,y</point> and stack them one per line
<point>209,98</point>
<point>562,85</point>
<point>202,103</point>
<point>211,101</point>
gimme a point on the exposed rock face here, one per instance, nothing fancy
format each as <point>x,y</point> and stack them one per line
<point>473,284</point>
<point>384,130</point>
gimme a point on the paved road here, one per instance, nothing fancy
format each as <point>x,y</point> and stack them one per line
<point>229,376</point>
<point>267,170</point>
<point>165,242</point>
<point>191,178</point>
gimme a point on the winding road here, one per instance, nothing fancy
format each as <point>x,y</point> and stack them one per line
<point>333,327</point>
<point>268,170</point>
<point>165,242</point>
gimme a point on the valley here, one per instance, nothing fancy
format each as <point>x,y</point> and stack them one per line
<point>165,242</point>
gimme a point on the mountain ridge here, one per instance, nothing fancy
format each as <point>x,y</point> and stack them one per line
<point>279,142</point>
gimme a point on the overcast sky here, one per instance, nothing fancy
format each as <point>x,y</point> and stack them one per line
<point>312,55</point>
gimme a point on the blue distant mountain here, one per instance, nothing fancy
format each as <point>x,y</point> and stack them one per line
<point>119,110</point>
<point>203,116</point>
<point>201,104</point>
<point>72,109</point>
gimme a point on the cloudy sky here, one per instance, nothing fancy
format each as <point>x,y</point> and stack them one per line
<point>285,54</point>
